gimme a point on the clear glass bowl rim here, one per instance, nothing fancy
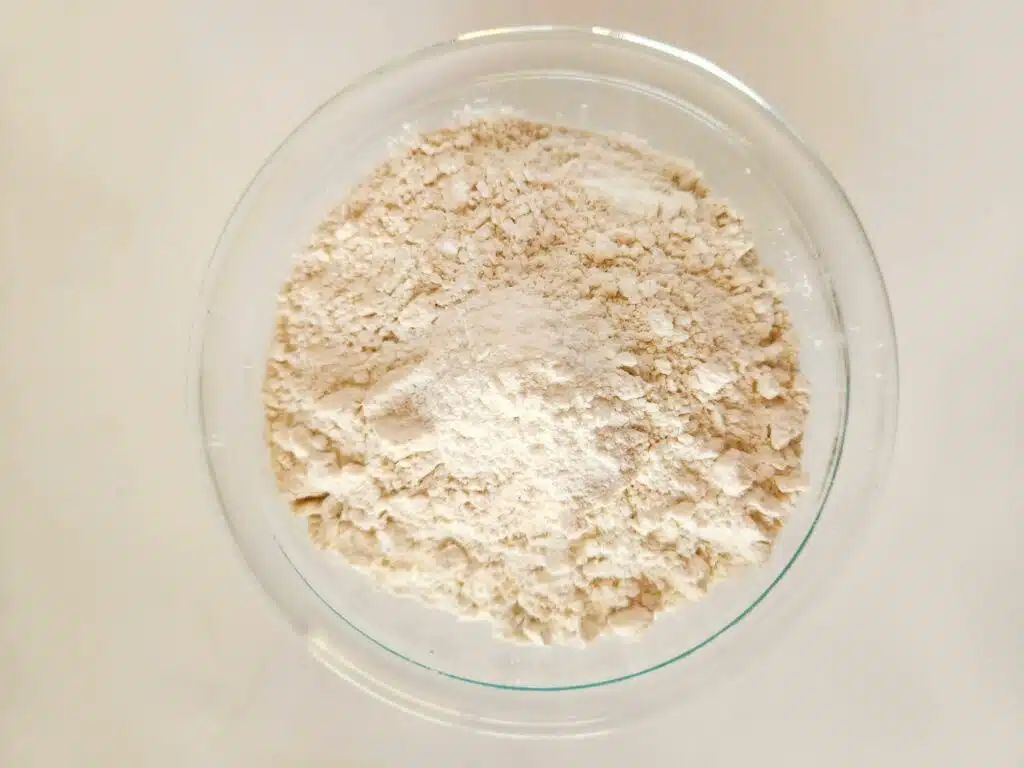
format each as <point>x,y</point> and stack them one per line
<point>581,33</point>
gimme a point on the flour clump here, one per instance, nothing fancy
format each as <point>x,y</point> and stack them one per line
<point>538,376</point>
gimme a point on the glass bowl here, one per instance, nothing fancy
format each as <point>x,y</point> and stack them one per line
<point>426,661</point>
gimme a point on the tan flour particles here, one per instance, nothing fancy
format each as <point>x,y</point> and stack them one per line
<point>538,376</point>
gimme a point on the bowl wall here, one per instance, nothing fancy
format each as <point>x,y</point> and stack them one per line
<point>426,660</point>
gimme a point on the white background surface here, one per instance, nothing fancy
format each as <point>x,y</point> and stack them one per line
<point>131,632</point>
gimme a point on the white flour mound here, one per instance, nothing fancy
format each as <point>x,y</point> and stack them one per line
<point>536,375</point>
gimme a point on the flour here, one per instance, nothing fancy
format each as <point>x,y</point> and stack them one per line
<point>537,376</point>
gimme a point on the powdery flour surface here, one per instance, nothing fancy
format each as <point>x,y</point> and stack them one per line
<point>538,376</point>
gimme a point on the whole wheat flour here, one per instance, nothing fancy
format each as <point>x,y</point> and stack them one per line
<point>536,375</point>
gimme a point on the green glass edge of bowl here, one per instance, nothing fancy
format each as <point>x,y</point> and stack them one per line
<point>657,47</point>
